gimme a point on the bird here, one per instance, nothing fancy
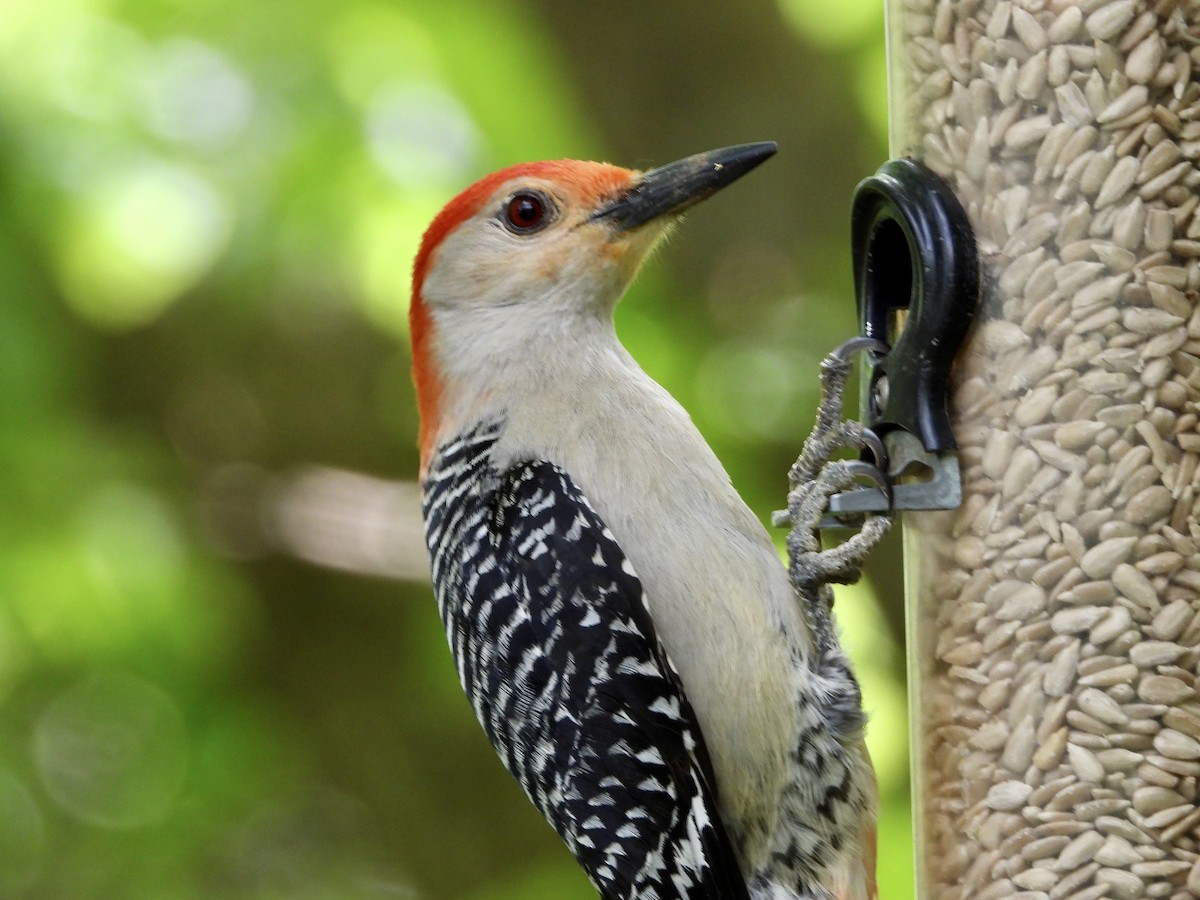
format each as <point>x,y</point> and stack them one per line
<point>679,710</point>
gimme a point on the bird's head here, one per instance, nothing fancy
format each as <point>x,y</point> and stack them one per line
<point>546,243</point>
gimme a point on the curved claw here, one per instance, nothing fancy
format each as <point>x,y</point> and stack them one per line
<point>860,469</point>
<point>873,442</point>
<point>857,345</point>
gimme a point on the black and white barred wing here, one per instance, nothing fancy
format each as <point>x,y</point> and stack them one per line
<point>559,658</point>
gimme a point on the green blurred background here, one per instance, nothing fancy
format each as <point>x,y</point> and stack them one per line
<point>221,668</point>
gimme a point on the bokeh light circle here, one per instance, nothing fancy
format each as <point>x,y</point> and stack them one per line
<point>112,751</point>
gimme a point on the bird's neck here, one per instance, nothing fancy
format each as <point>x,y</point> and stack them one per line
<point>506,357</point>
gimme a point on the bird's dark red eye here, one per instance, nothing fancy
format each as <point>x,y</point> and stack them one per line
<point>527,211</point>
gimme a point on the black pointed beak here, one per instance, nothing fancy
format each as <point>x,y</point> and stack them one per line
<point>679,185</point>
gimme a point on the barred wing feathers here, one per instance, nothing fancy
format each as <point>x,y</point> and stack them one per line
<point>558,655</point>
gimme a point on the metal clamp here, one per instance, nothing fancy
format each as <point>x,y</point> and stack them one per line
<point>916,279</point>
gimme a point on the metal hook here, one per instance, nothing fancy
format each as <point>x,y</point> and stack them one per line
<point>916,277</point>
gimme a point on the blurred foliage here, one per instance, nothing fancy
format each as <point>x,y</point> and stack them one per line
<point>221,671</point>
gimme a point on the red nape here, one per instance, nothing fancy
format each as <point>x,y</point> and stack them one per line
<point>429,386</point>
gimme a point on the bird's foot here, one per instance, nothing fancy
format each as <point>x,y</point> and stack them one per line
<point>816,477</point>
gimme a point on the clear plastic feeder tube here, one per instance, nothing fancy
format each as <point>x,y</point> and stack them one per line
<point>1054,619</point>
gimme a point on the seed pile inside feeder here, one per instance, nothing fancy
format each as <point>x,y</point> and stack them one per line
<point>1058,611</point>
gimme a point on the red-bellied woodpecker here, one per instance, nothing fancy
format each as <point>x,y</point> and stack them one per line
<point>621,622</point>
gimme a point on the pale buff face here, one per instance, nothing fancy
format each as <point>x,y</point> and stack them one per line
<point>566,260</point>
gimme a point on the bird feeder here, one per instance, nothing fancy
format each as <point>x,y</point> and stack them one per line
<point>1054,616</point>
